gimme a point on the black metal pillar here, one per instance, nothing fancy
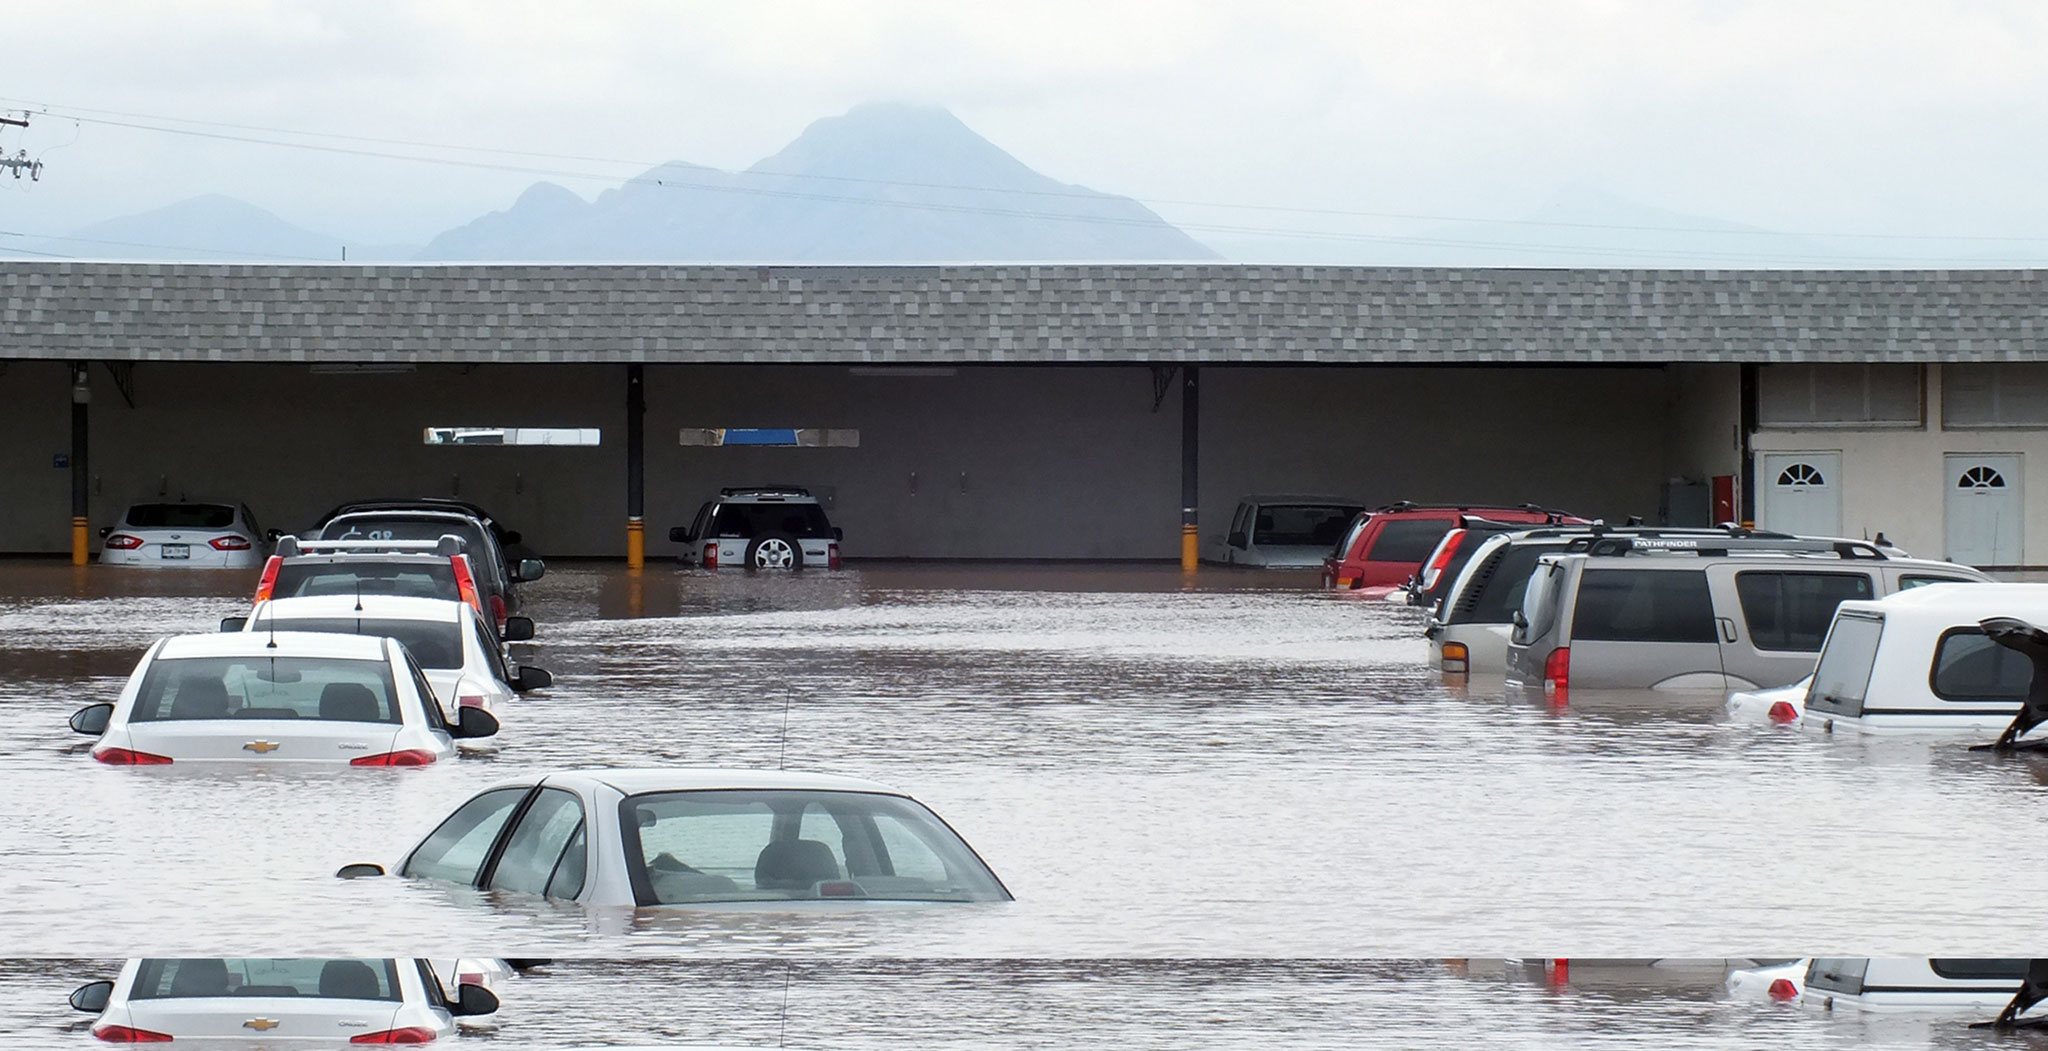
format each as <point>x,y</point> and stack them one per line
<point>636,468</point>
<point>1747,417</point>
<point>1190,449</point>
<point>81,476</point>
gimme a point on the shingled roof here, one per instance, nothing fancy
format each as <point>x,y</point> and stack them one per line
<point>1012,313</point>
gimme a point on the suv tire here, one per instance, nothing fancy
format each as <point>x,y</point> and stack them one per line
<point>775,551</point>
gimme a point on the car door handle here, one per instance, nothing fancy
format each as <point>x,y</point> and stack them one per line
<point>1727,628</point>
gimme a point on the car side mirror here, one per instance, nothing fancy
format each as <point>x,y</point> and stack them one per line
<point>518,629</point>
<point>473,722</point>
<point>1238,540</point>
<point>679,535</point>
<point>472,1000</point>
<point>92,997</point>
<point>92,719</point>
<point>530,678</point>
<point>529,570</point>
<point>838,533</point>
<point>233,623</point>
<point>106,531</point>
<point>359,870</point>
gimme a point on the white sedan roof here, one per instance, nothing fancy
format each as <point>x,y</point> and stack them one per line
<point>689,779</point>
<point>289,644</point>
<point>386,607</point>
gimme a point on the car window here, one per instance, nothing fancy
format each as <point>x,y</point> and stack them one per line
<point>1836,976</point>
<point>422,578</point>
<point>780,845</point>
<point>1792,611</point>
<point>435,644</point>
<point>181,516</point>
<point>1644,605</point>
<point>567,882</point>
<point>699,524</point>
<point>1980,970</point>
<point>1842,678</point>
<point>1237,520</point>
<point>1317,525</point>
<point>486,642</point>
<point>326,979</point>
<point>1498,584</point>
<point>1343,549</point>
<point>326,688</point>
<point>1911,581</point>
<point>437,995</point>
<point>746,521</point>
<point>1968,666</point>
<point>1540,601</point>
<point>455,851</point>
<point>537,842</point>
<point>1408,539</point>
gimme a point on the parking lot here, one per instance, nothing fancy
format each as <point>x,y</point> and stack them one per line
<point>1244,768</point>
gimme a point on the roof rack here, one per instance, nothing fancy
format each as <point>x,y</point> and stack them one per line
<point>1723,545</point>
<point>447,546</point>
<point>1600,529</point>
<point>764,490</point>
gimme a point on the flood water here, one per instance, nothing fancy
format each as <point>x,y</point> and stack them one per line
<point>1244,769</point>
<point>1233,1004</point>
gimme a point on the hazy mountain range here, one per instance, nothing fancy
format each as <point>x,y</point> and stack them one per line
<point>892,183</point>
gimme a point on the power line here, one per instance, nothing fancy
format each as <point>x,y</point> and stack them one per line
<point>145,244</point>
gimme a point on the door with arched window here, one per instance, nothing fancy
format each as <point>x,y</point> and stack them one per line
<point>1800,493</point>
<point>1985,509</point>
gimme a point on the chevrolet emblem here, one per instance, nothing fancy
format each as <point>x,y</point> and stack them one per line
<point>259,747</point>
<point>260,1024</point>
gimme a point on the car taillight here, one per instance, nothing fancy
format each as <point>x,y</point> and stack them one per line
<point>1444,551</point>
<point>1784,712</point>
<point>832,556</point>
<point>1783,989</point>
<point>269,582</point>
<point>408,1035</point>
<point>229,543</point>
<point>498,610</point>
<point>1557,669</point>
<point>406,757</point>
<point>1456,657</point>
<point>124,542</point>
<point>465,582</point>
<point>710,559</point>
<point>130,757</point>
<point>123,1034</point>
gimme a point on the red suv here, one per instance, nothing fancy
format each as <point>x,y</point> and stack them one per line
<point>1386,546</point>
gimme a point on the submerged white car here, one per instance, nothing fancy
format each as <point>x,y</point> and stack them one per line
<point>271,697</point>
<point>184,536</point>
<point>290,1002</point>
<point>1919,984</point>
<point>699,837</point>
<point>463,658</point>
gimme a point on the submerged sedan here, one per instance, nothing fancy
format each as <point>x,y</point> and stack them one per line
<point>278,1002</point>
<point>278,696</point>
<point>184,536</point>
<point>462,656</point>
<point>699,837</point>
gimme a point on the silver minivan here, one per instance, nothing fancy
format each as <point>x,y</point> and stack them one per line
<point>1696,613</point>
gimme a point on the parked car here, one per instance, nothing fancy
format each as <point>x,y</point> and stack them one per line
<point>699,837</point>
<point>1696,613</point>
<point>276,697</point>
<point>1921,661</point>
<point>494,576</point>
<point>417,568</point>
<point>282,1002</point>
<point>1433,581</point>
<point>1387,545</point>
<point>513,543</point>
<point>1284,531</point>
<point>1978,986</point>
<point>1468,626</point>
<point>464,661</point>
<point>184,536</point>
<point>761,527</point>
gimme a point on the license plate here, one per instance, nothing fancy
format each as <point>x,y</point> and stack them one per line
<point>177,551</point>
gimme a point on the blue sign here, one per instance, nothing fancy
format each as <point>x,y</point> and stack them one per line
<point>60,461</point>
<point>759,436</point>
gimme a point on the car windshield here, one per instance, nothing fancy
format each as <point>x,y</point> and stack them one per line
<point>1494,597</point>
<point>754,520</point>
<point>759,845</point>
<point>357,575</point>
<point>324,979</point>
<point>181,516</point>
<point>435,644</point>
<point>1317,525</point>
<point>329,688</point>
<point>399,526</point>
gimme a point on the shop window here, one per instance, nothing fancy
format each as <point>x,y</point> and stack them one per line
<point>1995,394</point>
<point>1795,396</point>
<point>512,436</point>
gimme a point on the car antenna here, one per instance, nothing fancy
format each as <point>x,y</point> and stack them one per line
<point>271,623</point>
<point>782,1029</point>
<point>782,753</point>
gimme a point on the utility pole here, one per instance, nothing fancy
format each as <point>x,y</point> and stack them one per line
<point>20,162</point>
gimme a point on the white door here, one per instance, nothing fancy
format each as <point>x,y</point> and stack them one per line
<point>1984,509</point>
<point>1801,493</point>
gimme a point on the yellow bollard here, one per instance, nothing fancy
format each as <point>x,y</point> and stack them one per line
<point>81,548</point>
<point>636,544</point>
<point>1188,548</point>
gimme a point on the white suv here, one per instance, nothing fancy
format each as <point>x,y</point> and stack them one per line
<point>761,527</point>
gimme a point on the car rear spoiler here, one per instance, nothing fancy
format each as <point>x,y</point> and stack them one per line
<point>2033,989</point>
<point>2032,643</point>
<point>448,546</point>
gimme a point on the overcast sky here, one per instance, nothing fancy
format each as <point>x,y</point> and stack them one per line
<point>1853,116</point>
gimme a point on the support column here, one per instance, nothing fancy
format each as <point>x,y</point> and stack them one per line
<point>1746,415</point>
<point>1190,446</point>
<point>636,472</point>
<point>81,475</point>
